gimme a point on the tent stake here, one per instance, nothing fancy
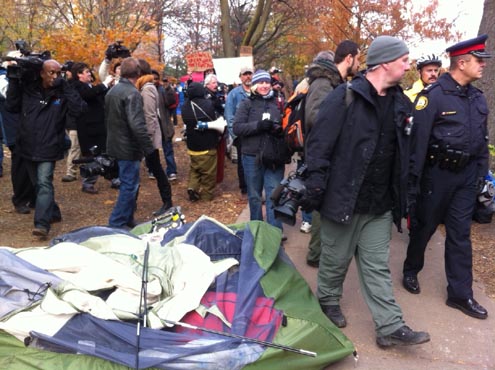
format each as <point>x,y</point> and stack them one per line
<point>262,342</point>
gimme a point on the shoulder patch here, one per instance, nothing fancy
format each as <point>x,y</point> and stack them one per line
<point>421,103</point>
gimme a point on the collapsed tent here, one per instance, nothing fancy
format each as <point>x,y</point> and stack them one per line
<point>78,304</point>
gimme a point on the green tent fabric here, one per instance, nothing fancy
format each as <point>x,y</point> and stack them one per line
<point>305,326</point>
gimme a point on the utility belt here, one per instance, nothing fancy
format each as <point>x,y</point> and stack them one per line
<point>448,158</point>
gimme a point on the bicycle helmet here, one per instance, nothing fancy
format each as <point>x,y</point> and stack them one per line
<point>428,59</point>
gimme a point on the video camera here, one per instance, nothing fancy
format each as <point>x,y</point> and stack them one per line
<point>98,164</point>
<point>117,50</point>
<point>287,195</point>
<point>28,65</point>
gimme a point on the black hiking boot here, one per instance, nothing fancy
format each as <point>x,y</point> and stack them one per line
<point>403,336</point>
<point>335,315</point>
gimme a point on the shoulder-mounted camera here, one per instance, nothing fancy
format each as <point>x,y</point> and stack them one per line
<point>117,50</point>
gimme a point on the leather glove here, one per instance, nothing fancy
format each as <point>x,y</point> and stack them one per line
<point>265,125</point>
<point>311,200</point>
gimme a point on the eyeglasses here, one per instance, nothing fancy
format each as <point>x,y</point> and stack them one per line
<point>247,73</point>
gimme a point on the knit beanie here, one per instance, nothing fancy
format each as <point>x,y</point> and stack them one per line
<point>260,76</point>
<point>385,49</point>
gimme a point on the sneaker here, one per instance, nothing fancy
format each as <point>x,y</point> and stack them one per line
<point>305,227</point>
<point>334,313</point>
<point>403,336</point>
<point>68,178</point>
<point>193,195</point>
<point>40,231</point>
<point>151,176</point>
<point>172,177</point>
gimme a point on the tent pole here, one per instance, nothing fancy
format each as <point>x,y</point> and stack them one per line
<point>258,341</point>
<point>143,307</point>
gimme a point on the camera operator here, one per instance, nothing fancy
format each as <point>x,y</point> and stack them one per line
<point>44,103</point>
<point>23,190</point>
<point>91,129</point>
<point>127,139</point>
<point>114,51</point>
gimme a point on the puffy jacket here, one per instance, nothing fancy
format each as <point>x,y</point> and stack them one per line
<point>342,143</point>
<point>199,140</point>
<point>249,113</point>
<point>43,114</point>
<point>127,136</point>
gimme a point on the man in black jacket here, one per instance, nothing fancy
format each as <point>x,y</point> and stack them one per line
<point>90,124</point>
<point>43,104</point>
<point>127,139</point>
<point>357,161</point>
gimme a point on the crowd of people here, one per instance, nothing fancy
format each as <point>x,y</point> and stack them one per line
<point>375,154</point>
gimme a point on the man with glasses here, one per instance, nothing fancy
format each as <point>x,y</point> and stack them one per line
<point>234,97</point>
<point>448,166</point>
<point>43,104</point>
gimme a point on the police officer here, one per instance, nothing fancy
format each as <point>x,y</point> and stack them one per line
<point>428,67</point>
<point>448,161</point>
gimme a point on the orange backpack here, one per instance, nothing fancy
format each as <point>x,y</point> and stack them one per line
<point>293,121</point>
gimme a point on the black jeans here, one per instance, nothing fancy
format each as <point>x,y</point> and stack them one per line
<point>154,165</point>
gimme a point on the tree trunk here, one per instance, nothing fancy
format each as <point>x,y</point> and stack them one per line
<point>228,44</point>
<point>487,83</point>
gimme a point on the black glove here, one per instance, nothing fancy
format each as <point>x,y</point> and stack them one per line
<point>265,125</point>
<point>311,200</point>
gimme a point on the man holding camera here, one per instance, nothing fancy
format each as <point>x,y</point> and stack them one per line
<point>44,103</point>
<point>127,140</point>
<point>91,129</point>
<point>357,158</point>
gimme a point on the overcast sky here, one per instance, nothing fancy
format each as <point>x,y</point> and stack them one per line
<point>467,16</point>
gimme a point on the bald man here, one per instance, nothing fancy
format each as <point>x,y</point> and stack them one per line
<point>44,103</point>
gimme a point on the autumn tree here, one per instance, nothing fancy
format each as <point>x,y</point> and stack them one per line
<point>82,29</point>
<point>487,83</point>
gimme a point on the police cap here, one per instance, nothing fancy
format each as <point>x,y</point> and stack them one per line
<point>474,46</point>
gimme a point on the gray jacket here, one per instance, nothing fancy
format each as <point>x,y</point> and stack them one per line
<point>322,81</point>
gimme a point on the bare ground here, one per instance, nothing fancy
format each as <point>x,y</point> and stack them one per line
<point>80,209</point>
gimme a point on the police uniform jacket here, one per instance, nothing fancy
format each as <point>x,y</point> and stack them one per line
<point>43,112</point>
<point>450,116</point>
<point>342,143</point>
<point>127,136</point>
